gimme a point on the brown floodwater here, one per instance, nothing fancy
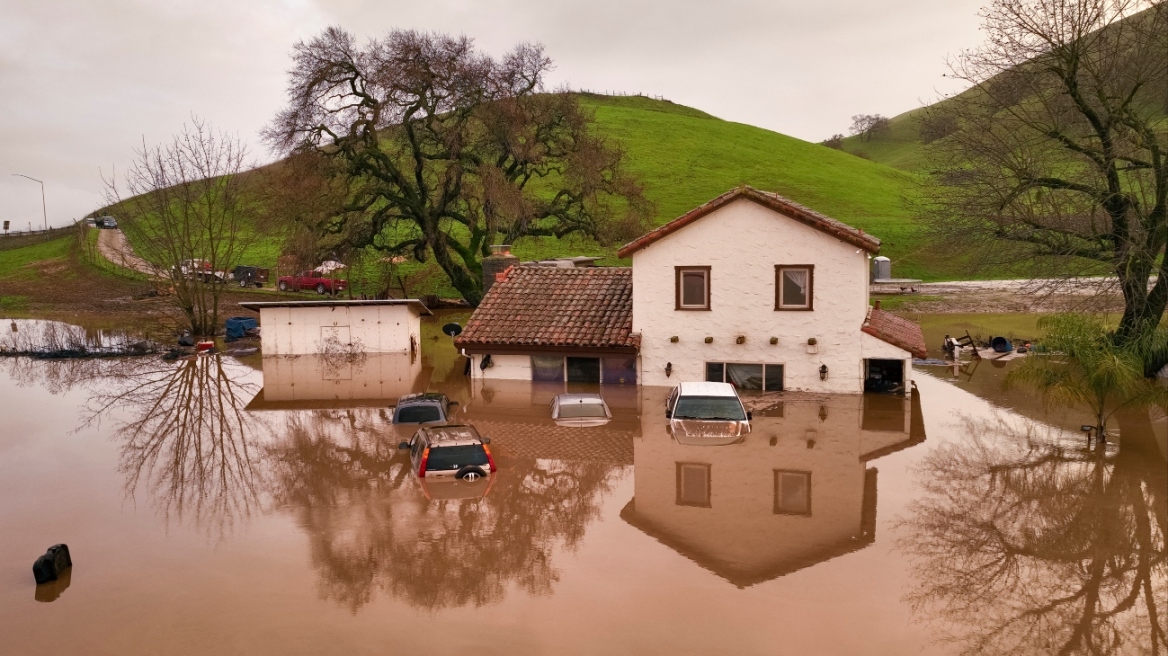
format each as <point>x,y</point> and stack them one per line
<point>214,506</point>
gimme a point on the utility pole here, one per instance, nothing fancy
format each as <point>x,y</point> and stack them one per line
<point>44,210</point>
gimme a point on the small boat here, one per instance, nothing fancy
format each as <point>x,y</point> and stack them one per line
<point>1001,345</point>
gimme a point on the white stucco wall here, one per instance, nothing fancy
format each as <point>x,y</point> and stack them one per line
<point>503,367</point>
<point>742,242</point>
<point>369,328</point>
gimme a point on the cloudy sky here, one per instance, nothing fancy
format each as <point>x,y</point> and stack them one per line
<point>82,82</point>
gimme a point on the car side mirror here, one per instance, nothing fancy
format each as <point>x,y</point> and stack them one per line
<point>403,445</point>
<point>749,415</point>
<point>486,440</point>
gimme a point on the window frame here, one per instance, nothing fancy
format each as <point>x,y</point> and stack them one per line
<point>779,268</point>
<point>778,476</point>
<point>725,374</point>
<point>677,290</point>
<point>709,484</point>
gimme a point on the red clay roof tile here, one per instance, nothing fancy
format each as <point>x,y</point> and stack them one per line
<point>899,332</point>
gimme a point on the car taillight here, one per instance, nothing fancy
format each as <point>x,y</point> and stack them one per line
<point>422,464</point>
<point>490,460</point>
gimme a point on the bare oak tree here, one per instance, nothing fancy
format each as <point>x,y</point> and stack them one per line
<point>869,125</point>
<point>188,201</point>
<point>1060,156</point>
<point>445,151</point>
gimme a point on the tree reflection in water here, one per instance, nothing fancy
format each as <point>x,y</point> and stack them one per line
<point>1026,542</point>
<point>372,529</point>
<point>185,436</point>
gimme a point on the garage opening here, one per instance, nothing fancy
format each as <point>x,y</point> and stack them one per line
<point>583,370</point>
<point>884,376</point>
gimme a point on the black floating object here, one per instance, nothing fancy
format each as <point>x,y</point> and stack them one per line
<point>452,329</point>
<point>51,565</point>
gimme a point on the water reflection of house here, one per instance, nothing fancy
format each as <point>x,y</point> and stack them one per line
<point>749,288</point>
<point>319,381</point>
<point>798,491</point>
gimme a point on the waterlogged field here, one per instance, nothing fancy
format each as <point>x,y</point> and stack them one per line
<point>220,506</point>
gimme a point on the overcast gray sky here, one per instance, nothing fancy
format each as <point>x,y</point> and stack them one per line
<point>82,82</point>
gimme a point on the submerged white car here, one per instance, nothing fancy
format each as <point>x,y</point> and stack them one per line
<point>580,410</point>
<point>707,413</point>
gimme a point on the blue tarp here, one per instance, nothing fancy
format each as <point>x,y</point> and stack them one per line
<point>238,326</point>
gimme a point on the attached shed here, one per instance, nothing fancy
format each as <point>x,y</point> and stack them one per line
<point>307,327</point>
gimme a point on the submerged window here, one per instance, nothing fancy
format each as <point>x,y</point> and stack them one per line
<point>793,287</point>
<point>792,492</point>
<point>418,414</point>
<point>693,484</point>
<point>692,288</point>
<point>725,408</point>
<point>448,458</point>
<point>576,410</point>
<point>547,368</point>
<point>746,376</point>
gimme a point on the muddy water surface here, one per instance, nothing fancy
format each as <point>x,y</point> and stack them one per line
<point>215,507</point>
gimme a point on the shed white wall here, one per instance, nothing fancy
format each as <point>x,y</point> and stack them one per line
<point>503,367</point>
<point>741,243</point>
<point>370,328</point>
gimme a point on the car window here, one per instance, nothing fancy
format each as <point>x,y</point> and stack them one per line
<point>450,458</point>
<point>726,408</point>
<point>573,410</point>
<point>416,444</point>
<point>417,414</point>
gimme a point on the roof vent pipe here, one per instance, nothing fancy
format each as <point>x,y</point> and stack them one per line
<point>497,262</point>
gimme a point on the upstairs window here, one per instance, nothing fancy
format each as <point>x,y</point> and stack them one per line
<point>692,288</point>
<point>794,287</point>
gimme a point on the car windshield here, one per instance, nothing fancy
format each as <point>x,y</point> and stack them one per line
<point>725,408</point>
<point>417,414</point>
<point>573,410</point>
<point>448,458</point>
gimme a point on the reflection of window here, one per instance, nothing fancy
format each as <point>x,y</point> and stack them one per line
<point>547,368</point>
<point>693,288</point>
<point>619,370</point>
<point>746,376</point>
<point>792,492</point>
<point>693,484</point>
<point>794,287</point>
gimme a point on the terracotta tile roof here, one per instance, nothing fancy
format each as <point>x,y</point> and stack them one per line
<point>589,307</point>
<point>837,229</point>
<point>896,331</point>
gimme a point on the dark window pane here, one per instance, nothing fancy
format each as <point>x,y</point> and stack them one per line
<point>547,368</point>
<point>418,414</point>
<point>449,458</point>
<point>577,410</point>
<point>796,287</point>
<point>774,378</point>
<point>693,288</point>
<point>584,370</point>
<point>792,493</point>
<point>619,371</point>
<point>693,485</point>
<point>725,408</point>
<point>715,372</point>
<point>744,376</point>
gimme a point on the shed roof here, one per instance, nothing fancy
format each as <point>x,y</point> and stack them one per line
<point>256,306</point>
<point>551,308</point>
<point>785,206</point>
<point>899,332</point>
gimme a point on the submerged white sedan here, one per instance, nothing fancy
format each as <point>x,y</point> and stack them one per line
<point>580,410</point>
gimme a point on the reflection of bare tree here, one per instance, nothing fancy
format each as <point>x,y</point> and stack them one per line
<point>371,528</point>
<point>1025,544</point>
<point>187,438</point>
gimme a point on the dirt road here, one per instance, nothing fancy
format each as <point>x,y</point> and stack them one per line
<point>114,246</point>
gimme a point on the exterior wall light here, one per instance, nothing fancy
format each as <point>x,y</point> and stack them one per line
<point>822,372</point>
<point>668,369</point>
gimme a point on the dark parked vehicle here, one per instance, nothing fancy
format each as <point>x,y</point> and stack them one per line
<point>246,275</point>
<point>454,453</point>
<point>422,408</point>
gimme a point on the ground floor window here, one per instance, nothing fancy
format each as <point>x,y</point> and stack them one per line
<point>746,376</point>
<point>612,370</point>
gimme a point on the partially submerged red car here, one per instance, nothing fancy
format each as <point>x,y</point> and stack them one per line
<point>311,280</point>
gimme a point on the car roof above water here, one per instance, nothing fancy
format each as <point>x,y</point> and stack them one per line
<point>452,435</point>
<point>421,397</point>
<point>706,389</point>
<point>579,398</point>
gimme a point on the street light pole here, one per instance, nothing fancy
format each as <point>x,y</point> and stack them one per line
<point>44,210</point>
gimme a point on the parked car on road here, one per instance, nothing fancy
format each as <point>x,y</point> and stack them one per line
<point>450,454</point>
<point>311,280</point>
<point>422,408</point>
<point>707,413</point>
<point>106,222</point>
<point>246,275</point>
<point>201,270</point>
<point>580,410</point>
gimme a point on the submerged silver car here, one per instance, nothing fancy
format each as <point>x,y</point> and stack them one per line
<point>707,414</point>
<point>580,410</point>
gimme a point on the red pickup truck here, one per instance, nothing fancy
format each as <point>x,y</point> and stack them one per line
<point>311,280</point>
